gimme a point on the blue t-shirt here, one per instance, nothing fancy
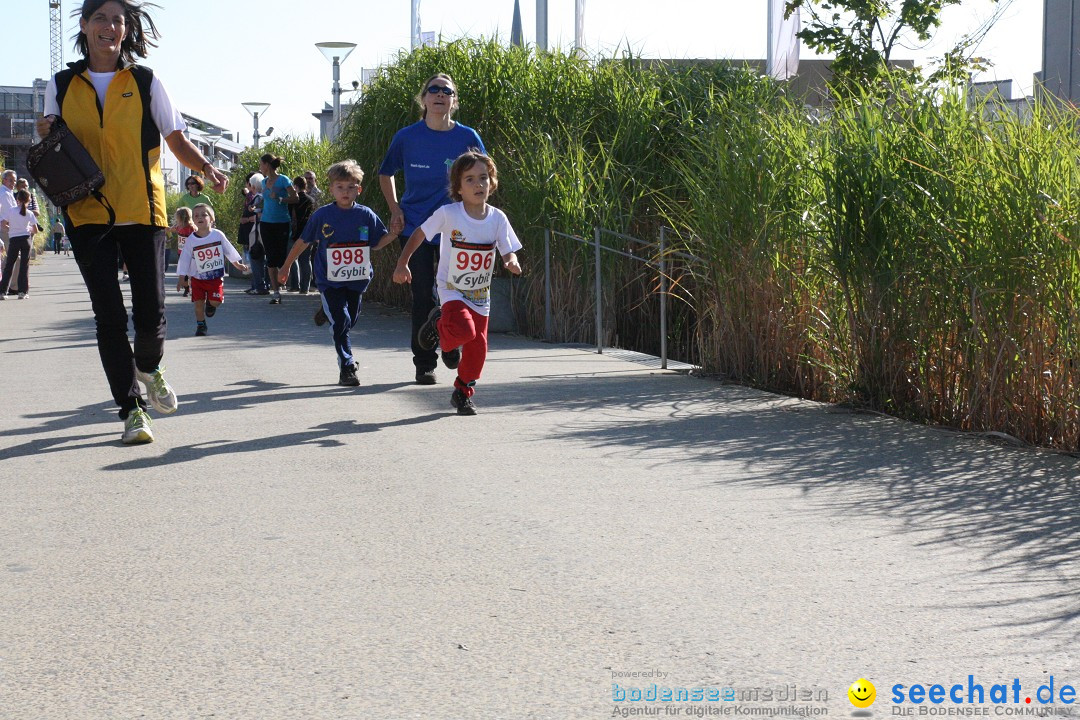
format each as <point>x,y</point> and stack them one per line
<point>342,241</point>
<point>426,156</point>
<point>276,211</point>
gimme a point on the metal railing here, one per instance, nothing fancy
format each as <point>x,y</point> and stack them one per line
<point>660,263</point>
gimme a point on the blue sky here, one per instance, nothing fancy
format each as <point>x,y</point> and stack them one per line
<point>214,54</point>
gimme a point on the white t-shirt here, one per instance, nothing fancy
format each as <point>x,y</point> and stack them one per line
<point>467,252</point>
<point>7,198</point>
<point>167,118</point>
<point>204,257</point>
<point>20,224</point>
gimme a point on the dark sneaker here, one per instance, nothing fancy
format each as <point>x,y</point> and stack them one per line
<point>200,329</point>
<point>320,317</point>
<point>463,403</point>
<point>427,337</point>
<point>262,292</point>
<point>276,300</point>
<point>210,310</point>
<point>452,359</point>
<point>425,377</point>
<point>348,376</point>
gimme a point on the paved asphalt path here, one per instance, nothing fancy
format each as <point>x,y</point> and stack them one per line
<point>288,548</point>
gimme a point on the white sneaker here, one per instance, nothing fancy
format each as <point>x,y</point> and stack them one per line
<point>161,396</point>
<point>3,296</point>
<point>137,428</point>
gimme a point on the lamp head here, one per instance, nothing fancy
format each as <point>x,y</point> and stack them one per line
<point>335,50</point>
<point>255,108</point>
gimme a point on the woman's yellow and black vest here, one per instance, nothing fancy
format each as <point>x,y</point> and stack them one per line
<point>122,138</point>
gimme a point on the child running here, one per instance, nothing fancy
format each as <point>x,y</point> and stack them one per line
<point>471,231</point>
<point>203,261</point>
<point>182,227</point>
<point>345,234</point>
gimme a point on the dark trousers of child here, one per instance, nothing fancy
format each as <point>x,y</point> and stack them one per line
<point>141,246</point>
<point>342,306</point>
<point>422,265</point>
<point>461,326</point>
<point>18,250</point>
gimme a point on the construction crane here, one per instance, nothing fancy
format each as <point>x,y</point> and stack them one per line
<point>56,40</point>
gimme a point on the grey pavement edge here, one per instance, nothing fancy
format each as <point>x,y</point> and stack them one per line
<point>288,548</point>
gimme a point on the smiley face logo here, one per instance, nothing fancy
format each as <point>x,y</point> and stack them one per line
<point>862,693</point>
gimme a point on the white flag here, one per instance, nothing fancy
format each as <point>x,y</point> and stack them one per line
<point>783,54</point>
<point>579,25</point>
<point>415,30</point>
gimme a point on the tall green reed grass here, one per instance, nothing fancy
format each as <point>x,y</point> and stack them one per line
<point>910,252</point>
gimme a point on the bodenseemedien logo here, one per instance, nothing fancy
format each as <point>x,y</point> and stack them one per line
<point>862,693</point>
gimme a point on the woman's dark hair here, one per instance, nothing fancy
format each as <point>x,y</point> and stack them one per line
<point>300,183</point>
<point>197,181</point>
<point>23,198</point>
<point>272,160</point>
<point>141,31</point>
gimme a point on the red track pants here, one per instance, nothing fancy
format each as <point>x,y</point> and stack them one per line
<point>461,326</point>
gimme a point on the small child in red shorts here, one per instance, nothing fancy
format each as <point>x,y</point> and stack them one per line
<point>182,228</point>
<point>203,261</point>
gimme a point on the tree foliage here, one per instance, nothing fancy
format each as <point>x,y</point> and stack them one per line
<point>862,35</point>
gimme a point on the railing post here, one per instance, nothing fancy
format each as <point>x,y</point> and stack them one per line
<point>547,284</point>
<point>663,302</point>
<point>599,307</point>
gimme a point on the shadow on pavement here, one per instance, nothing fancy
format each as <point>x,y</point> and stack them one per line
<point>1018,508</point>
<point>320,436</point>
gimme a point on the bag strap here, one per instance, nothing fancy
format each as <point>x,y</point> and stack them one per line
<point>108,208</point>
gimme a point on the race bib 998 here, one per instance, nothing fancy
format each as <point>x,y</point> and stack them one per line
<point>346,263</point>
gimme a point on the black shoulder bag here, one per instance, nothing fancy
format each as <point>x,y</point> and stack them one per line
<point>65,170</point>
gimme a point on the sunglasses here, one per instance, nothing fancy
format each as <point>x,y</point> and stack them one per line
<point>436,89</point>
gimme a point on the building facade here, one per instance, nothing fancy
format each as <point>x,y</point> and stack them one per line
<point>20,106</point>
<point>1061,50</point>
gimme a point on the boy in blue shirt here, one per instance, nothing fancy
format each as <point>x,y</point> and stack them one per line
<point>344,234</point>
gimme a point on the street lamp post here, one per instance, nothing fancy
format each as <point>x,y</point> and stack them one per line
<point>255,108</point>
<point>336,53</point>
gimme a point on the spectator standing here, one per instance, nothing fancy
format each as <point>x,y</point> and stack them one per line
<point>301,211</point>
<point>58,235</point>
<point>7,200</point>
<point>278,194</point>
<point>313,189</point>
<point>20,224</point>
<point>194,195</point>
<point>260,283</point>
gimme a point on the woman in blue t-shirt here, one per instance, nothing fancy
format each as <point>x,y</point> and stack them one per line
<point>424,151</point>
<point>278,194</point>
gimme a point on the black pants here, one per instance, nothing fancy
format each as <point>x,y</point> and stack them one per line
<point>423,264</point>
<point>18,249</point>
<point>141,247</point>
